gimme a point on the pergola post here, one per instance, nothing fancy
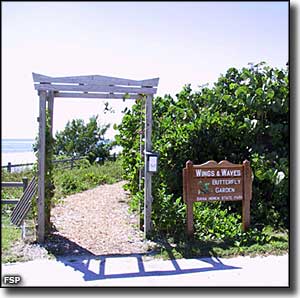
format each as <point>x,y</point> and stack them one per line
<point>141,169</point>
<point>148,175</point>
<point>41,167</point>
<point>51,108</point>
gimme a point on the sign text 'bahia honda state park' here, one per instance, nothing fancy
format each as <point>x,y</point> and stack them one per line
<point>214,181</point>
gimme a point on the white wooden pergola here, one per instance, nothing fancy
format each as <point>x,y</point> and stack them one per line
<point>93,86</point>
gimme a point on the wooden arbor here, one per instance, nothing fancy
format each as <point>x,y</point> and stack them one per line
<point>94,86</point>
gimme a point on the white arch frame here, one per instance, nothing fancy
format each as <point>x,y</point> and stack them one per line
<point>91,86</point>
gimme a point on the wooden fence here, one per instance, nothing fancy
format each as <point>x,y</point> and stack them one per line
<point>70,160</point>
<point>9,166</point>
<point>23,205</point>
<point>22,184</point>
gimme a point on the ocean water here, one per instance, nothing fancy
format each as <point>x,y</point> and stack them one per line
<point>16,145</point>
<point>17,151</point>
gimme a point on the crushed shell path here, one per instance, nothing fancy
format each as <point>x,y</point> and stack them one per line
<point>98,220</point>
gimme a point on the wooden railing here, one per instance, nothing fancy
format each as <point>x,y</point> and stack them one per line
<point>9,166</point>
<point>24,203</point>
<point>22,184</point>
<point>71,160</point>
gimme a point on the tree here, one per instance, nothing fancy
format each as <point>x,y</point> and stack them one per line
<point>80,139</point>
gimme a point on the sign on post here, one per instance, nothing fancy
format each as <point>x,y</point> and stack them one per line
<point>152,159</point>
<point>212,181</point>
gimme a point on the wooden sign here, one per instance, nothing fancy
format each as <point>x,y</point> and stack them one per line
<point>214,181</point>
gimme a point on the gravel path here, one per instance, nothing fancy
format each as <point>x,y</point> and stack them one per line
<point>94,222</point>
<point>98,221</point>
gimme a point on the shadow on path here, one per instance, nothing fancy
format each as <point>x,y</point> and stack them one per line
<point>82,264</point>
<point>99,267</point>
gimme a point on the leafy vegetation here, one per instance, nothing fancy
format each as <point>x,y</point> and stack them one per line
<point>277,245</point>
<point>10,233</point>
<point>80,139</point>
<point>86,177</point>
<point>244,115</point>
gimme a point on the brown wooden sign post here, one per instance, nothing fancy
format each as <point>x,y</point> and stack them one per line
<point>212,181</point>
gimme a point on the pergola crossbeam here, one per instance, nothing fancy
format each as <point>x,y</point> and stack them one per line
<point>97,95</point>
<point>95,79</point>
<point>95,88</point>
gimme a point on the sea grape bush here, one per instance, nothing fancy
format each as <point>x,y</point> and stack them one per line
<point>244,115</point>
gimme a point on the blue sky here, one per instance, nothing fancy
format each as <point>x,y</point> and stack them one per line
<point>179,42</point>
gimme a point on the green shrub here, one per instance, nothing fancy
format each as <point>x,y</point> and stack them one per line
<point>244,115</point>
<point>83,178</point>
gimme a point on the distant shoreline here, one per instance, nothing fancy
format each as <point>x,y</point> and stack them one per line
<point>16,150</point>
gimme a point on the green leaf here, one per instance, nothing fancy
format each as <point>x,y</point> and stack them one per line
<point>232,86</point>
<point>241,90</point>
<point>126,96</point>
<point>270,94</point>
<point>259,92</point>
